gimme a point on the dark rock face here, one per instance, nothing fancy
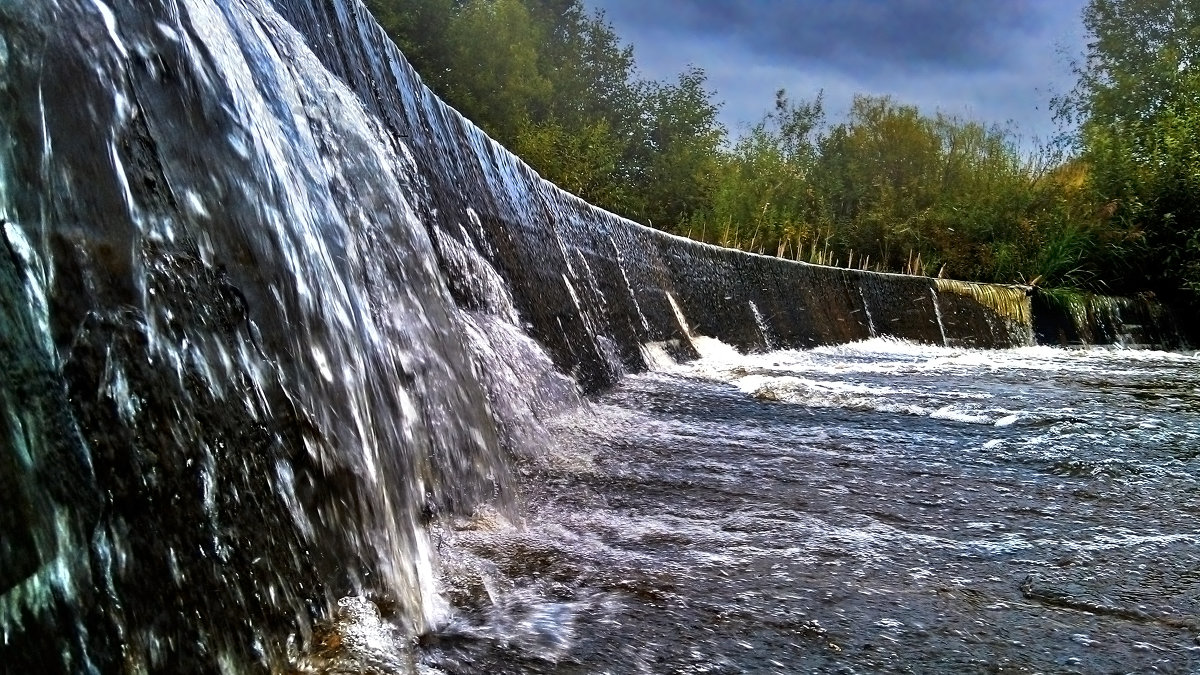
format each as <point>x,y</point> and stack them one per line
<point>266,304</point>
<point>1088,319</point>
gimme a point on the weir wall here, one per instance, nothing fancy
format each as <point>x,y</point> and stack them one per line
<point>1077,318</point>
<point>592,286</point>
<point>269,306</point>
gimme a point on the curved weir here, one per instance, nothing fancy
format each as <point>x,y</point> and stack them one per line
<point>269,309</point>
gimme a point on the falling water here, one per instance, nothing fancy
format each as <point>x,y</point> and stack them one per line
<point>1084,318</point>
<point>867,310</point>
<point>280,331</point>
<point>629,287</point>
<point>680,318</point>
<point>937,310</point>
<point>861,507</point>
<point>274,398</point>
<point>762,326</point>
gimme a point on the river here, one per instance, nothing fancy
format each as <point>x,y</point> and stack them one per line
<point>873,507</point>
<point>274,320</point>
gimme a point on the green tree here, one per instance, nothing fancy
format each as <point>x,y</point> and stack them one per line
<point>420,29</point>
<point>583,140</point>
<point>762,198</point>
<point>880,171</point>
<point>906,191</point>
<point>889,185</point>
<point>1137,102</point>
<point>676,163</point>
<point>495,78</point>
<point>582,161</point>
<point>555,85</point>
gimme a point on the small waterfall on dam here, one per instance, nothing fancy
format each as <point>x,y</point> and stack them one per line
<point>937,311</point>
<point>1086,318</point>
<point>269,310</point>
<point>763,329</point>
<point>235,372</point>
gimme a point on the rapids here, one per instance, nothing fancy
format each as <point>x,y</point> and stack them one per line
<point>873,507</point>
<point>303,372</point>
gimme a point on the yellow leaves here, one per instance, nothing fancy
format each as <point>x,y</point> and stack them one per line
<point>1071,176</point>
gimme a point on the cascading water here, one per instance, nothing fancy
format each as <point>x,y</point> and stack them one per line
<point>937,311</point>
<point>629,287</point>
<point>880,506</point>
<point>866,308</point>
<point>767,340</point>
<point>1085,318</point>
<point>252,380</point>
<point>272,315</point>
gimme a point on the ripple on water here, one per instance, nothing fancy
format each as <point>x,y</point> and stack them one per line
<point>883,505</point>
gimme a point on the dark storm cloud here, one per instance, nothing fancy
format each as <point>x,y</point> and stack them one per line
<point>994,61</point>
<point>849,33</point>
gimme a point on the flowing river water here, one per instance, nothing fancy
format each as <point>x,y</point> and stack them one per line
<point>873,507</point>
<point>274,320</point>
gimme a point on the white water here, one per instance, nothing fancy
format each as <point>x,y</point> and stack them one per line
<point>937,310</point>
<point>763,330</point>
<point>292,347</point>
<point>891,504</point>
<point>867,311</point>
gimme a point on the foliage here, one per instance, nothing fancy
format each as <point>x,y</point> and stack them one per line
<point>679,156</point>
<point>888,187</point>
<point>555,84</point>
<point>760,197</point>
<point>1137,103</point>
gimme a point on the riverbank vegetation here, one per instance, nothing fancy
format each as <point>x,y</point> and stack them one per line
<point>1114,209</point>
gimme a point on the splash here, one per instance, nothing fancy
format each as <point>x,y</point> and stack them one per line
<point>270,310</point>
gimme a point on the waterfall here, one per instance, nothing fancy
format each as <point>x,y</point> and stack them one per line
<point>269,308</point>
<point>866,308</point>
<point>1087,318</point>
<point>768,343</point>
<point>629,287</point>
<point>937,310</point>
<point>680,318</point>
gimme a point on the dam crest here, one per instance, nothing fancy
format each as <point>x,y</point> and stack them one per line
<point>269,306</point>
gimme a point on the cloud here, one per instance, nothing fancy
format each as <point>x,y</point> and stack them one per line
<point>992,61</point>
<point>850,33</point>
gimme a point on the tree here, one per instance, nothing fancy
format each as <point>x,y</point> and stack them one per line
<point>1137,102</point>
<point>420,29</point>
<point>496,79</point>
<point>677,159</point>
<point>582,161</point>
<point>880,169</point>
<point>583,139</point>
<point>762,198</point>
<point>555,85</point>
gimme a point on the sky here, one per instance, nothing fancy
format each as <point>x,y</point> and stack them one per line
<point>993,61</point>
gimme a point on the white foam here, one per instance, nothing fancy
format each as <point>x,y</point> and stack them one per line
<point>714,351</point>
<point>880,374</point>
<point>656,357</point>
<point>958,414</point>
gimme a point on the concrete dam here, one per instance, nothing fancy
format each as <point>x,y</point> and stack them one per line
<point>268,306</point>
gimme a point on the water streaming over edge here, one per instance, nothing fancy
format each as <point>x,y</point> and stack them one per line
<point>272,313</point>
<point>250,400</point>
<point>874,507</point>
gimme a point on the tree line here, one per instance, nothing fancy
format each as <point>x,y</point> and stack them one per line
<point>1113,208</point>
<point>557,87</point>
